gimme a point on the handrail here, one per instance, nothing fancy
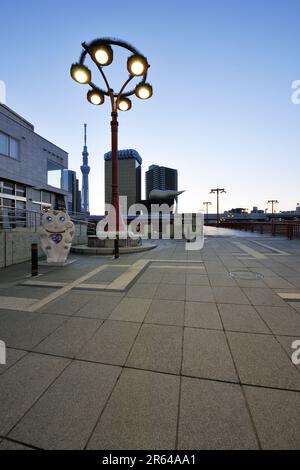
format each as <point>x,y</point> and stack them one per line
<point>14,217</point>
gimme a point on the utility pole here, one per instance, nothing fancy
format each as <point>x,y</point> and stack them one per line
<point>217,191</point>
<point>208,203</point>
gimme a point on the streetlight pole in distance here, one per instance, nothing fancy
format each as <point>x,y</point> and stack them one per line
<point>273,202</point>
<point>217,191</point>
<point>101,53</point>
<point>208,203</point>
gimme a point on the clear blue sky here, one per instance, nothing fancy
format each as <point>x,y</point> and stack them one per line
<point>221,71</point>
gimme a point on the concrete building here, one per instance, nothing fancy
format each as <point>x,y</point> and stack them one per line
<point>162,178</point>
<point>130,163</point>
<point>30,168</point>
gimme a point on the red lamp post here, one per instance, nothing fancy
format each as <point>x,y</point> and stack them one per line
<point>101,53</point>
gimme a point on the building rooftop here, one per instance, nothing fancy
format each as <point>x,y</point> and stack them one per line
<point>125,154</point>
<point>10,113</point>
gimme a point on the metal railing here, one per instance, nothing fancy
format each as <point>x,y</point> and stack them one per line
<point>290,230</point>
<point>12,218</point>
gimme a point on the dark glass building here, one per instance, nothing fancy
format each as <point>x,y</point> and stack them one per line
<point>161,177</point>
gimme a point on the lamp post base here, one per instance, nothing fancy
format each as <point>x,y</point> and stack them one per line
<point>116,247</point>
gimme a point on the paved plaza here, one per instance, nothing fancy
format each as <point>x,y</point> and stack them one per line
<point>166,349</point>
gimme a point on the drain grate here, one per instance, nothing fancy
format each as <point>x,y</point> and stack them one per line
<point>247,275</point>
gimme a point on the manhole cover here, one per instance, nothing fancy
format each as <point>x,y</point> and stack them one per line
<point>245,275</point>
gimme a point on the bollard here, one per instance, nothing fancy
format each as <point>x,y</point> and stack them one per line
<point>34,259</point>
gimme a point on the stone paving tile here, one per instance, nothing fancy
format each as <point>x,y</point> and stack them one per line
<point>206,355</point>
<point>111,343</point>
<point>281,320</point>
<point>66,414</point>
<point>27,292</point>
<point>141,413</point>
<point>295,305</point>
<point>290,348</point>
<point>10,445</point>
<point>142,291</point>
<point>99,307</point>
<point>213,267</point>
<point>276,415</point>
<point>199,294</point>
<point>202,315</point>
<point>151,276</point>
<point>260,360</point>
<point>105,276</point>
<point>131,309</point>
<point>166,312</point>
<point>214,415</point>
<point>278,282</point>
<point>230,295</point>
<point>242,318</point>
<point>250,283</point>
<point>158,348</point>
<point>221,280</point>
<point>266,272</point>
<point>197,280</point>
<point>69,338</point>
<point>170,292</point>
<point>23,384</point>
<point>24,330</point>
<point>174,277</point>
<point>259,296</point>
<point>68,304</point>
<point>12,356</point>
<point>295,281</point>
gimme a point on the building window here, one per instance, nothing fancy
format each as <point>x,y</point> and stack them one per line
<point>4,144</point>
<point>20,214</point>
<point>54,174</point>
<point>9,146</point>
<point>8,188</point>
<point>20,190</point>
<point>46,197</point>
<point>14,148</point>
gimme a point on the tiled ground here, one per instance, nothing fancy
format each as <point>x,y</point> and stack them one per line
<point>188,357</point>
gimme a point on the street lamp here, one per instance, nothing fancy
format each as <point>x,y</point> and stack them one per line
<point>208,203</point>
<point>217,191</point>
<point>102,54</point>
<point>273,202</point>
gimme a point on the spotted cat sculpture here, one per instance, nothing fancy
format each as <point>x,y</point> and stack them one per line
<point>56,234</point>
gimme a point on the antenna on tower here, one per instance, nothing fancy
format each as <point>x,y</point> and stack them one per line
<point>85,126</point>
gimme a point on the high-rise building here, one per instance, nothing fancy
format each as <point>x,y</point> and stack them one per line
<point>71,184</point>
<point>85,169</point>
<point>161,177</point>
<point>130,163</point>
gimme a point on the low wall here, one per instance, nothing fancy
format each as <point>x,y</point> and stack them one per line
<point>15,244</point>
